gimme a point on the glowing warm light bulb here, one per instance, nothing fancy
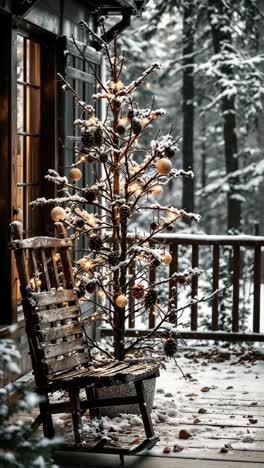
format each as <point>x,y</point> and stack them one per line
<point>101,293</point>
<point>83,157</point>
<point>133,187</point>
<point>87,264</point>
<point>147,85</point>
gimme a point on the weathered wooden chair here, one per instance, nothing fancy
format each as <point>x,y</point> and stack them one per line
<point>58,343</point>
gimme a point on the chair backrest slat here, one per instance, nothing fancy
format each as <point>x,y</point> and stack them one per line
<point>54,350</point>
<point>54,276</point>
<point>65,257</point>
<point>52,313</point>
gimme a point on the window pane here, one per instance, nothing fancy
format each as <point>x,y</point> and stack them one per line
<point>33,62</point>
<point>33,110</point>
<point>33,187</point>
<point>20,108</point>
<point>20,58</point>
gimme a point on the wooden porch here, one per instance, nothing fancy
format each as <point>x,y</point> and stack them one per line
<point>220,404</point>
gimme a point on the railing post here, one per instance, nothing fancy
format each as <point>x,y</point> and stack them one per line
<point>236,276</point>
<point>152,280</point>
<point>173,284</point>
<point>215,301</point>
<point>257,280</point>
<point>131,319</point>
<point>194,308</point>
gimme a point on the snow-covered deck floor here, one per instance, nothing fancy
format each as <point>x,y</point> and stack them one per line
<point>220,406</point>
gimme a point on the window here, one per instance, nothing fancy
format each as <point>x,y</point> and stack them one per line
<point>80,74</point>
<point>28,131</point>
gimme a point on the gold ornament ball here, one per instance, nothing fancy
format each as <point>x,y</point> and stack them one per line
<point>57,213</point>
<point>157,190</point>
<point>75,174</point>
<point>166,258</point>
<point>121,301</point>
<point>164,166</point>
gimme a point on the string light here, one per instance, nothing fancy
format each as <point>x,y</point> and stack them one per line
<point>101,293</point>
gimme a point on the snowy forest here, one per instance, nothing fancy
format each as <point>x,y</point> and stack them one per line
<point>211,85</point>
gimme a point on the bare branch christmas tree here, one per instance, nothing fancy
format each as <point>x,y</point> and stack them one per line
<point>119,194</point>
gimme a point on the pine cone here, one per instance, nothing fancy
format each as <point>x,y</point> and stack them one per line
<point>121,129</point>
<point>150,298</point>
<point>88,139</point>
<point>138,291</point>
<point>136,127</point>
<point>90,195</point>
<point>91,288</point>
<point>124,213</point>
<point>169,152</point>
<point>170,347</point>
<point>153,226</point>
<point>98,136</point>
<point>113,258</point>
<point>80,292</point>
<point>79,223</point>
<point>103,157</point>
<point>155,263</point>
<point>95,242</point>
<point>130,114</point>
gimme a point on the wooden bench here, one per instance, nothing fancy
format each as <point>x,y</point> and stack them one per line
<point>58,343</point>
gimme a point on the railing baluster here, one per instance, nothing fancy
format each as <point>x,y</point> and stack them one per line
<point>215,301</point>
<point>236,275</point>
<point>173,269</point>
<point>131,319</point>
<point>152,280</point>
<point>257,281</point>
<point>194,308</point>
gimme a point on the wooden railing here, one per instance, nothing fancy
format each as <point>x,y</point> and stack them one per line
<point>238,245</point>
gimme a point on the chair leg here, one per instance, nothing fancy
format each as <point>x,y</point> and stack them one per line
<point>139,386</point>
<point>91,395</point>
<point>46,418</point>
<point>76,413</point>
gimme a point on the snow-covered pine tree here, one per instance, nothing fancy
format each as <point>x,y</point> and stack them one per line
<point>21,446</point>
<point>129,178</point>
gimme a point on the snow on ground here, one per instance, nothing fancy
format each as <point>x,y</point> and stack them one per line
<point>219,401</point>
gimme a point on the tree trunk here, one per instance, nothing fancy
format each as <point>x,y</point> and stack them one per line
<point>188,104</point>
<point>221,40</point>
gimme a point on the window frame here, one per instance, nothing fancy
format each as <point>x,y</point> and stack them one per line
<point>10,27</point>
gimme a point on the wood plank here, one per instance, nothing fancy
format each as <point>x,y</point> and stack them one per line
<point>54,274</point>
<point>41,243</point>
<point>257,281</point>
<point>111,461</point>
<point>194,239</point>
<point>60,332</point>
<point>236,277</point>
<point>194,307</point>
<point>89,52</point>
<point>58,296</point>
<point>59,365</point>
<point>197,335</point>
<point>65,257</point>
<point>213,454</point>
<point>77,74</point>
<point>215,301</point>
<point>35,267</point>
<point>53,315</point>
<point>53,350</point>
<point>45,271</point>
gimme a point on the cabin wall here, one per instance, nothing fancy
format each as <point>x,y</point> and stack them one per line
<point>62,17</point>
